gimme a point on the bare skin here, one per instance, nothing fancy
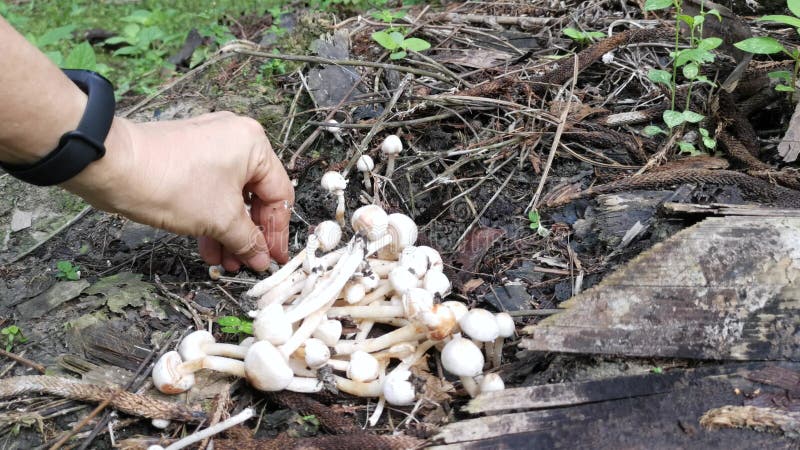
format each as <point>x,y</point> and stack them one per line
<point>191,176</point>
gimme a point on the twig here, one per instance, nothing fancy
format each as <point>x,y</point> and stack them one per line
<point>556,140</point>
<point>18,358</point>
<point>67,436</point>
<point>395,124</point>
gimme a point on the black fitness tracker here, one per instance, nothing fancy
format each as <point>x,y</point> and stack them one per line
<point>79,148</point>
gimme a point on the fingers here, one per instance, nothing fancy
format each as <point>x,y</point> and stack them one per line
<point>242,241</point>
<point>274,221</point>
<point>210,250</point>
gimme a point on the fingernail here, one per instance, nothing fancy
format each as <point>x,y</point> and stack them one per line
<point>259,262</point>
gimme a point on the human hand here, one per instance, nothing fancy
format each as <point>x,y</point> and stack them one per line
<point>194,177</point>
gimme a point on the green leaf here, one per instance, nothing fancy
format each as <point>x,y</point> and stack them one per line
<point>703,132</point>
<point>230,330</point>
<point>10,330</point>
<point>672,118</point>
<point>398,55</point>
<point>784,75</point>
<point>697,55</point>
<point>415,44</point>
<point>56,57</point>
<point>660,76</point>
<point>688,20</point>
<point>247,327</point>
<point>385,40</point>
<point>692,117</point>
<point>709,143</point>
<point>653,5</point>
<point>534,218</point>
<point>794,6</point>
<point>55,36</point>
<point>64,266</point>
<point>652,130</point>
<point>786,20</point>
<point>131,31</point>
<point>761,45</point>
<point>714,12</point>
<point>688,147</point>
<point>397,37</point>
<point>784,88</point>
<point>709,43</point>
<point>691,71</point>
<point>574,34</point>
<point>81,57</point>
<point>73,275</point>
<point>698,20</point>
<point>229,321</point>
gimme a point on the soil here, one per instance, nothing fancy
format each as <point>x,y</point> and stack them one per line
<point>139,280</point>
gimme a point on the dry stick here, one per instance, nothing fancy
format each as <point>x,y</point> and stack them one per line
<point>556,139</point>
<point>395,124</point>
<point>18,358</point>
<point>67,436</point>
<point>378,125</point>
<point>249,48</point>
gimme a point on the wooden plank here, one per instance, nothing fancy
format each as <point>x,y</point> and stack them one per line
<point>726,288</point>
<point>664,420</point>
<point>723,209</point>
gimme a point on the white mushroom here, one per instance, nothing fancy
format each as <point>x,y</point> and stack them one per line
<point>480,325</point>
<point>335,183</point>
<point>391,147</point>
<point>171,375</point>
<point>371,221</point>
<point>506,328</point>
<point>435,262</point>
<point>201,343</point>
<point>490,382</point>
<point>354,292</point>
<point>271,325</point>
<point>267,284</point>
<point>415,260</point>
<point>243,416</point>
<point>458,308</point>
<point>363,367</point>
<point>268,370</point>
<point>403,231</point>
<point>397,389</point>
<point>317,353</point>
<point>365,166</point>
<point>437,283</point>
<point>333,129</point>
<point>329,332</point>
<point>328,233</point>
<point>463,358</point>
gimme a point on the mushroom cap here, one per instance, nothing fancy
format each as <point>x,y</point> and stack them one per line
<point>192,346</point>
<point>265,367</point>
<point>363,367</point>
<point>392,145</point>
<point>436,282</point>
<point>371,220</point>
<point>459,309</point>
<point>491,382</point>
<point>370,281</point>
<point>416,260</point>
<point>397,390</point>
<point>328,234</point>
<point>440,321</point>
<point>365,163</point>
<point>434,258</point>
<point>332,129</point>
<point>416,302</point>
<point>402,279</point>
<point>354,292</point>
<point>505,324</point>
<point>403,231</point>
<point>271,325</point>
<point>480,324</point>
<point>167,376</point>
<point>462,357</point>
<point>215,271</point>
<point>333,182</point>
<point>317,353</point>
<point>329,332</point>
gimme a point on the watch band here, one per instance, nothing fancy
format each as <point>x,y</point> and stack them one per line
<point>80,147</point>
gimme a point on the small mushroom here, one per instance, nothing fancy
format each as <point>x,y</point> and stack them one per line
<point>391,147</point>
<point>317,353</point>
<point>332,128</point>
<point>371,221</point>
<point>506,328</point>
<point>480,325</point>
<point>271,325</point>
<point>397,389</point>
<point>463,358</point>
<point>490,382</point>
<point>365,166</point>
<point>328,233</point>
<point>436,283</point>
<point>329,332</point>
<point>363,367</point>
<point>267,370</point>
<point>171,375</point>
<point>201,343</point>
<point>335,183</point>
<point>403,231</point>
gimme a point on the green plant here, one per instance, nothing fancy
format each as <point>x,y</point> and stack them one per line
<point>396,42</point>
<point>689,60</point>
<point>582,37</point>
<point>235,325</point>
<point>67,271</point>
<point>657,370</point>
<point>387,15</point>
<point>765,45</point>
<point>536,224</point>
<point>13,333</point>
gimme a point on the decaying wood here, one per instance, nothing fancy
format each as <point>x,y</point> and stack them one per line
<point>720,209</point>
<point>759,419</point>
<point>726,288</point>
<point>664,415</point>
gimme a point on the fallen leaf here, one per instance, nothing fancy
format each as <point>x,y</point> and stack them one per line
<point>472,250</point>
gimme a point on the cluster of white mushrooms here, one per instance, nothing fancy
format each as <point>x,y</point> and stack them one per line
<point>378,277</point>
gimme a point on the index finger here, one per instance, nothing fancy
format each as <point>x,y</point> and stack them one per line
<point>271,207</point>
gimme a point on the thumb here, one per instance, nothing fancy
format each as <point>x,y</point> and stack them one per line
<point>245,240</point>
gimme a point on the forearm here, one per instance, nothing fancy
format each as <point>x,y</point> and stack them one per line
<point>39,102</point>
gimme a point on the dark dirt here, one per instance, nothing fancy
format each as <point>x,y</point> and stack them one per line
<point>507,266</point>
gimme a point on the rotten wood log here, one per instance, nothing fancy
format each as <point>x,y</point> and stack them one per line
<point>667,415</point>
<point>722,209</point>
<point>726,288</point>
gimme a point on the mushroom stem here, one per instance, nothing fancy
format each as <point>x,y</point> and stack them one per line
<point>285,290</point>
<point>367,181</point>
<point>265,285</point>
<point>305,385</point>
<point>497,351</point>
<point>243,416</point>
<point>340,208</point>
<point>215,363</point>
<point>470,386</point>
<point>411,332</point>
<point>303,332</point>
<point>226,350</point>
<point>359,389</point>
<point>371,311</point>
<point>390,165</point>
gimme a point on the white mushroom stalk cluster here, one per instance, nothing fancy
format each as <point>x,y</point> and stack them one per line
<point>378,277</point>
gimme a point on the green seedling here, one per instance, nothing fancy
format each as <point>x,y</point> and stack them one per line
<point>12,334</point>
<point>394,41</point>
<point>235,325</point>
<point>67,271</point>
<point>765,45</point>
<point>582,37</point>
<point>536,224</point>
<point>689,60</point>
<point>388,16</point>
<point>657,370</point>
